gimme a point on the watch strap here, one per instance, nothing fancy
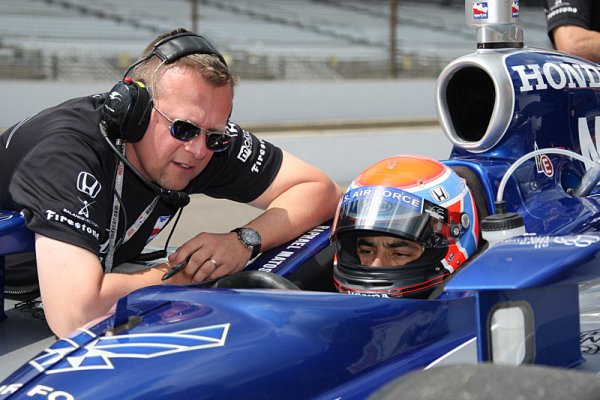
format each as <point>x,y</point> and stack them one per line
<point>255,249</point>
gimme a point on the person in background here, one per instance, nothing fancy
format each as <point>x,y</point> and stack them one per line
<point>402,227</point>
<point>574,27</point>
<point>98,177</point>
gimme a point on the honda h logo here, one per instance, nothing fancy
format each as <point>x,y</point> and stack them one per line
<point>88,184</point>
<point>439,193</point>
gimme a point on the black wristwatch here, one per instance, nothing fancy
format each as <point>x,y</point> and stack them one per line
<point>249,238</point>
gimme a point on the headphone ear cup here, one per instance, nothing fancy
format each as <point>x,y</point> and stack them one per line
<point>126,111</point>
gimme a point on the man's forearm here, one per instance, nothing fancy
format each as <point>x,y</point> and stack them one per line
<point>578,41</point>
<point>296,211</point>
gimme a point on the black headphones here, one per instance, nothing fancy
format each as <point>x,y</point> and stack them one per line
<point>126,112</point>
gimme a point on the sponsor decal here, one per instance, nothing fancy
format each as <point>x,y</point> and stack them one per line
<point>88,184</point>
<point>261,157</point>
<point>366,294</point>
<point>515,9</point>
<point>436,211</point>
<point>588,148</point>
<point>480,10</point>
<point>66,356</point>
<point>577,240</point>
<point>541,242</point>
<point>70,221</point>
<point>246,149</point>
<point>557,76</point>
<point>367,192</point>
<point>38,391</point>
<point>386,200</point>
<point>439,193</point>
<point>83,211</point>
<point>543,164</point>
<point>561,7</point>
<point>292,249</point>
<point>590,342</point>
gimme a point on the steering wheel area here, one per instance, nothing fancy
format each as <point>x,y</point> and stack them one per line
<point>255,280</point>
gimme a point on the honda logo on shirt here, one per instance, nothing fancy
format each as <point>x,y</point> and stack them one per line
<point>88,184</point>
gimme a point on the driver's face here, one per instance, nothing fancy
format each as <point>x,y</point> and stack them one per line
<point>378,251</point>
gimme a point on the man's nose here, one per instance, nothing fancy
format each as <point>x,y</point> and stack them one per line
<point>377,262</point>
<point>197,146</point>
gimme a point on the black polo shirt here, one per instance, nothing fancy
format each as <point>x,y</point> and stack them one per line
<point>59,169</point>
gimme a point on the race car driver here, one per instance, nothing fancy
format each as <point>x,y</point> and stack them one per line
<point>404,225</point>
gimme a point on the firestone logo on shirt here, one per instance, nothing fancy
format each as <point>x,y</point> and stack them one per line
<point>68,218</point>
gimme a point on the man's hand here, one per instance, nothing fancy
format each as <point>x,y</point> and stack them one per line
<point>211,256</point>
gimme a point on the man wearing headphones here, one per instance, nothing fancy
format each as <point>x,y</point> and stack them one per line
<point>98,177</point>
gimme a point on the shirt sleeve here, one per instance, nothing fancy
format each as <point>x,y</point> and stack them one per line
<point>62,187</point>
<point>568,12</point>
<point>243,172</point>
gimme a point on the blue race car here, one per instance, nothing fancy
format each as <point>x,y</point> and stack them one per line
<point>523,123</point>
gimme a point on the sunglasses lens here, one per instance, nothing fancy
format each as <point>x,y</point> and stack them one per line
<point>184,131</point>
<point>217,141</point>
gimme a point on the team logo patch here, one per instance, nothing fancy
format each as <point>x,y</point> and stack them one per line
<point>65,355</point>
<point>84,211</point>
<point>88,184</point>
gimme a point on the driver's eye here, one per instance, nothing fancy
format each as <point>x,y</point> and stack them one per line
<point>365,251</point>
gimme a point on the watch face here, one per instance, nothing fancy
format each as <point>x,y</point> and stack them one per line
<point>250,237</point>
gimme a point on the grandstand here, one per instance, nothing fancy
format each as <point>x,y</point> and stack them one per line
<point>77,40</point>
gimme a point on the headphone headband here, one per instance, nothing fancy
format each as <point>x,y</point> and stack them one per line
<point>180,45</point>
<point>174,47</point>
<point>126,112</point>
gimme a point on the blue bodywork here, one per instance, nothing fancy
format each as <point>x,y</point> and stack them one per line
<point>197,342</point>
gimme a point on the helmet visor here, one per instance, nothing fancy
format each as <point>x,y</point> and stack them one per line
<point>396,212</point>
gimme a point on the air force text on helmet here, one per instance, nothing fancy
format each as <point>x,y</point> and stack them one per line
<point>387,193</point>
<point>557,76</point>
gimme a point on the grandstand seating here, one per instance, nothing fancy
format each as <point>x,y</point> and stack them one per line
<point>292,39</point>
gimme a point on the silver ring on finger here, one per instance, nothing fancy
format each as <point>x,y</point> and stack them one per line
<point>214,262</point>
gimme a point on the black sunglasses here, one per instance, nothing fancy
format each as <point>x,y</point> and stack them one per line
<point>185,131</point>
